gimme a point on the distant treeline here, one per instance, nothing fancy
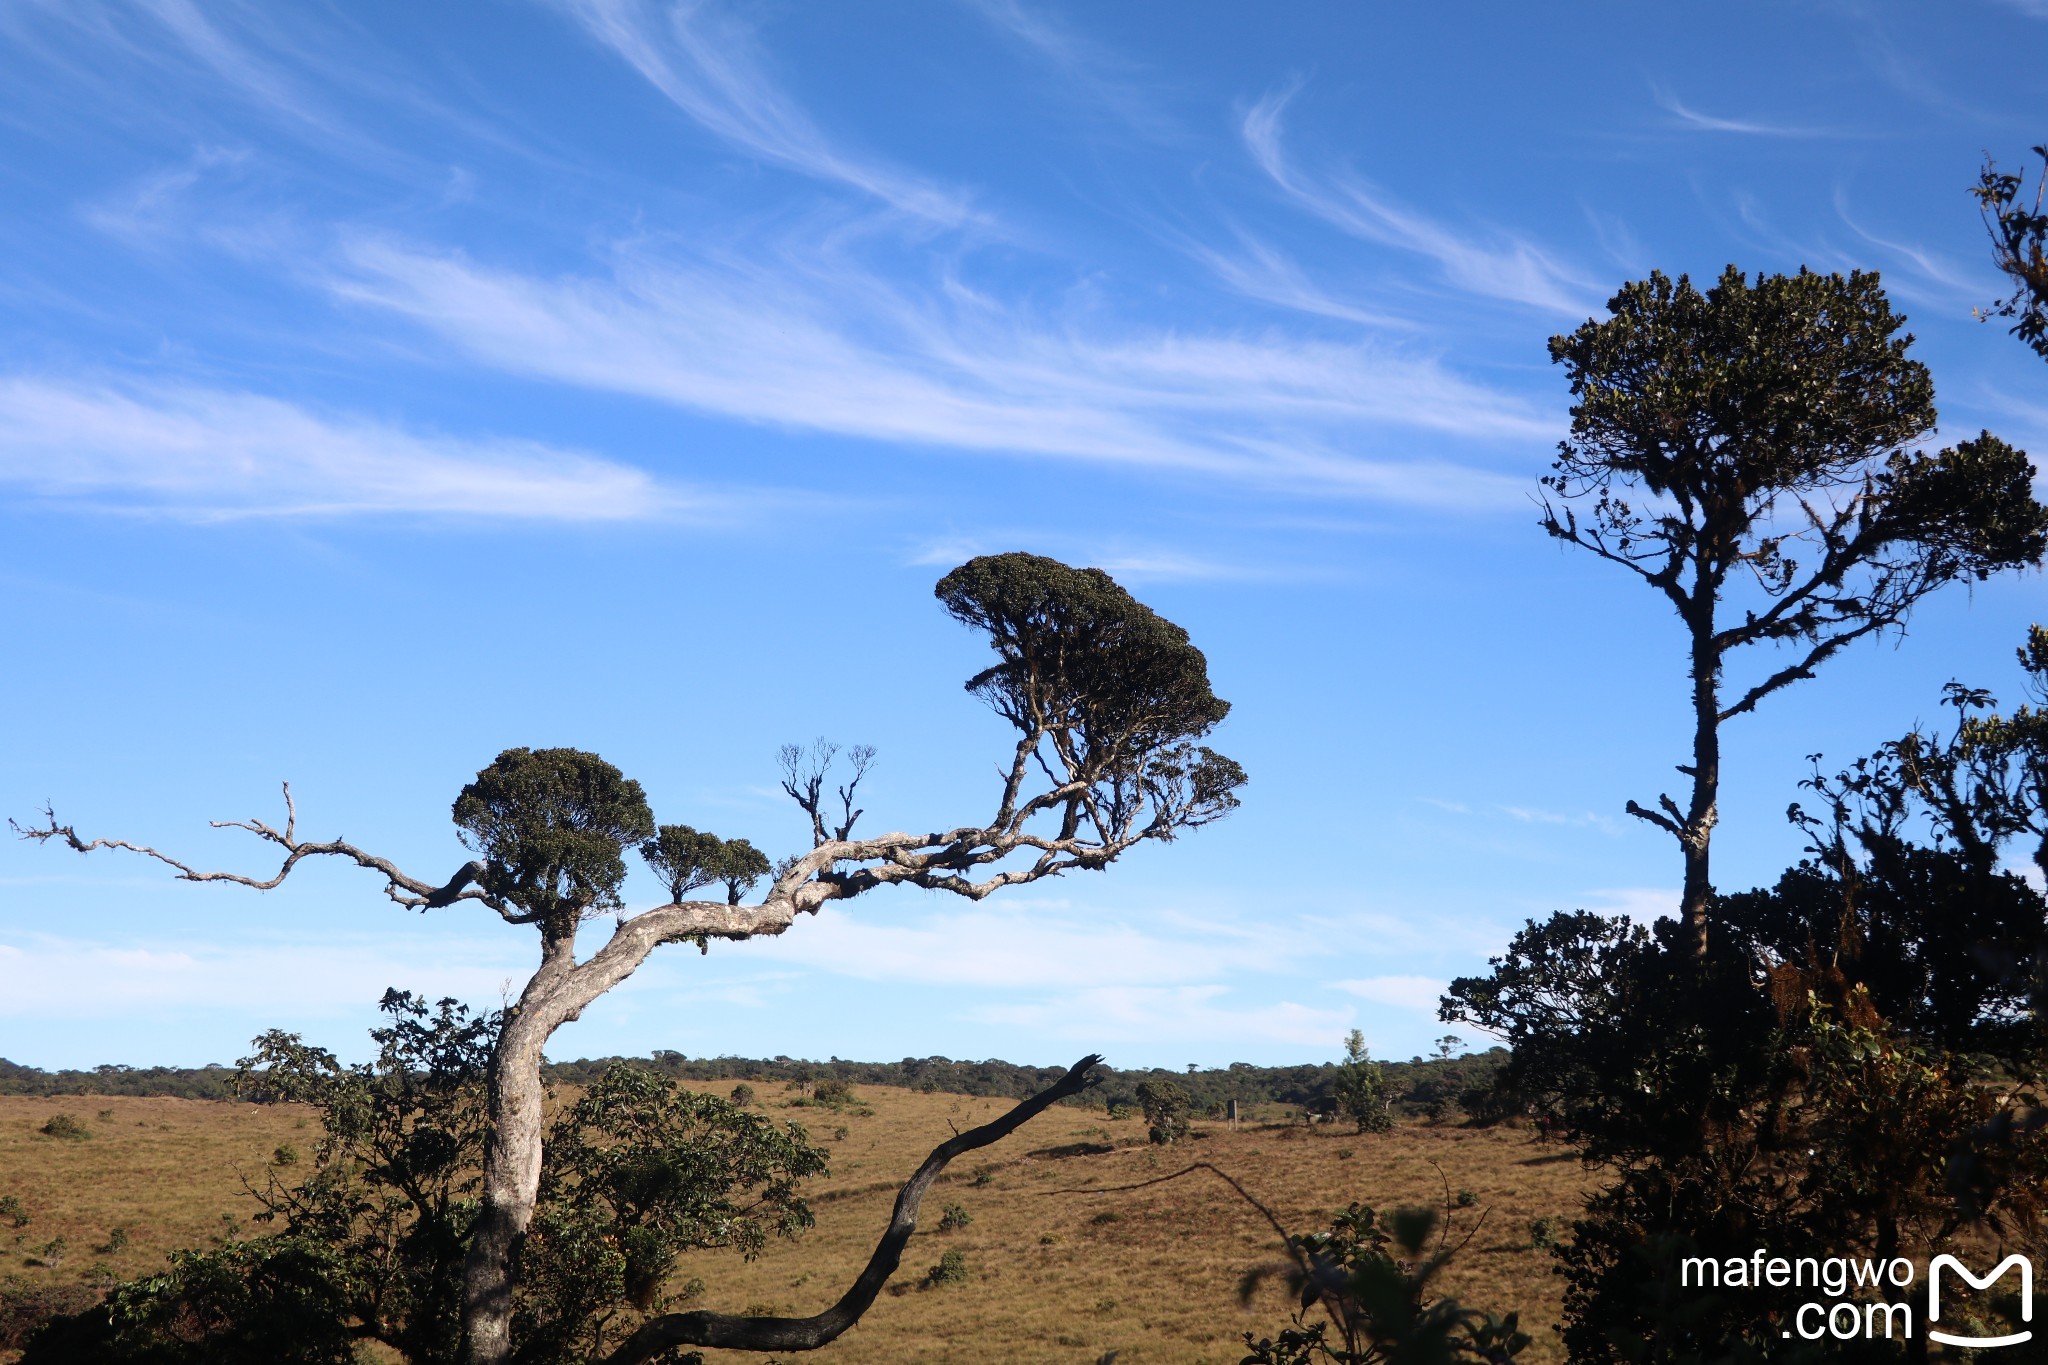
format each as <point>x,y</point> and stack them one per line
<point>181,1082</point>
<point>1421,1086</point>
<point>1433,1085</point>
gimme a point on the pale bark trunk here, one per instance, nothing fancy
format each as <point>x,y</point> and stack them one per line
<point>512,1157</point>
<point>513,1151</point>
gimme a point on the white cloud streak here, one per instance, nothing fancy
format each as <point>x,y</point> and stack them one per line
<point>1708,123</point>
<point>1402,992</point>
<point>211,454</point>
<point>1507,267</point>
<point>812,340</point>
<point>1100,77</point>
<point>707,66</point>
<point>1257,271</point>
<point>55,978</point>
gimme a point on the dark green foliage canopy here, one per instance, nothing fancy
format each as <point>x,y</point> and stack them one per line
<point>685,859</point>
<point>1081,656</point>
<point>1116,689</point>
<point>552,827</point>
<point>1724,404</point>
<point>1745,390</point>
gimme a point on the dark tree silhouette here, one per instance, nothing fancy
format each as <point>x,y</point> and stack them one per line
<point>1744,451</point>
<point>2019,247</point>
<point>1107,699</point>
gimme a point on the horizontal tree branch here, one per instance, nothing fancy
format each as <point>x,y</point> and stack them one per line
<point>409,891</point>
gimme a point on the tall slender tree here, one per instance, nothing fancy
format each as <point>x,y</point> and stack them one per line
<point>1746,452</point>
<point>1108,700</point>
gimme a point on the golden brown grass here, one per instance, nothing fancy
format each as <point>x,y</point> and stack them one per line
<point>1151,1273</point>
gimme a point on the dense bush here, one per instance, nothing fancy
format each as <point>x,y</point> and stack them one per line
<point>371,1231</point>
<point>1166,1108</point>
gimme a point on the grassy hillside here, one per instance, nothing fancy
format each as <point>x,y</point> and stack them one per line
<point>1053,1276</point>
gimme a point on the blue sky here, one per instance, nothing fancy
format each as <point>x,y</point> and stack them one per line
<point>385,385</point>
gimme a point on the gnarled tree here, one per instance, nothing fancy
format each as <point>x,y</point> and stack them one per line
<point>1108,700</point>
<point>1745,452</point>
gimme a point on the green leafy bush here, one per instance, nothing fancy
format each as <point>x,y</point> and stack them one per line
<point>951,1269</point>
<point>1361,1088</point>
<point>372,1227</point>
<point>1166,1107</point>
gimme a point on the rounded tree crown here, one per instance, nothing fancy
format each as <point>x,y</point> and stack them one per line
<point>686,858</point>
<point>1789,382</point>
<point>552,827</point>
<point>1082,656</point>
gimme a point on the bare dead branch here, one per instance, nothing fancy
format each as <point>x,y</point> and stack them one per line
<point>406,890</point>
<point>1663,822</point>
<point>808,1334</point>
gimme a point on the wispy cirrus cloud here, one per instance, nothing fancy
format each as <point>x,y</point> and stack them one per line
<point>1259,271</point>
<point>1502,266</point>
<point>707,64</point>
<point>215,454</point>
<point>1688,117</point>
<point>805,338</point>
<point>1101,78</point>
<point>1402,992</point>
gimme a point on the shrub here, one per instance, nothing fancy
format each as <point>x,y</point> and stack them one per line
<point>832,1091</point>
<point>1166,1108</point>
<point>368,1249</point>
<point>1543,1234</point>
<point>1361,1089</point>
<point>65,1127</point>
<point>951,1269</point>
<point>743,1095</point>
<point>1365,1294</point>
<point>954,1218</point>
<point>11,1209</point>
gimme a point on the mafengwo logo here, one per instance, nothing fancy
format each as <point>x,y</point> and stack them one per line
<point>2012,1262</point>
<point>1845,1314</point>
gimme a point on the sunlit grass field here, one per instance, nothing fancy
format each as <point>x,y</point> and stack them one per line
<point>1153,1274</point>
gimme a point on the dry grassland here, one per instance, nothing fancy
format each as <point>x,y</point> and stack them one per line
<point>1152,1273</point>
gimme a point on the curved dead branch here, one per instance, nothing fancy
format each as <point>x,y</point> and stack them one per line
<point>408,891</point>
<point>808,1334</point>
